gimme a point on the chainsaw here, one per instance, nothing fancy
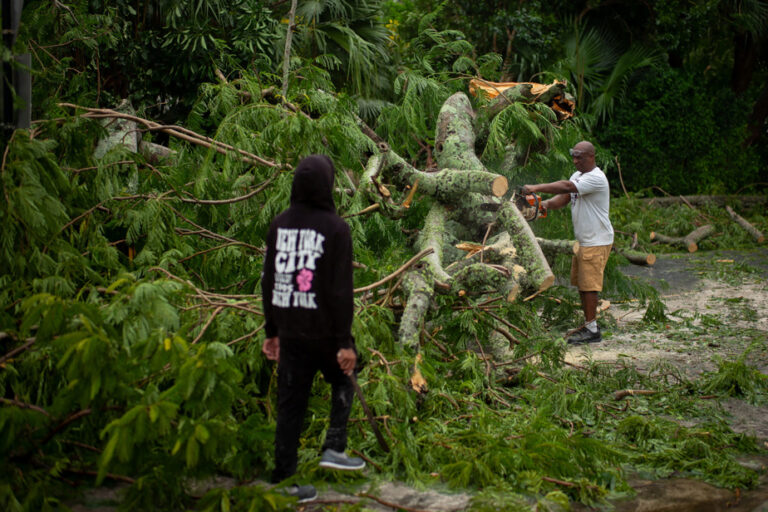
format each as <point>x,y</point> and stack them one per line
<point>529,205</point>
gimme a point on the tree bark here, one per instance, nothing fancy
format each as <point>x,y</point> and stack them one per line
<point>419,287</point>
<point>539,276</point>
<point>558,246</point>
<point>432,236</point>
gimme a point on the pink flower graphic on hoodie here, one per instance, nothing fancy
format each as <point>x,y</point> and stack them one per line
<point>304,279</point>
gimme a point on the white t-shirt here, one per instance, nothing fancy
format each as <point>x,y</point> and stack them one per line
<point>590,208</point>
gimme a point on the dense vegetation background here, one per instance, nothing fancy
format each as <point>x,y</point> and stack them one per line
<point>129,306</point>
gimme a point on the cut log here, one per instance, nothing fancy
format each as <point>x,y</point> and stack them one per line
<point>553,247</point>
<point>450,185</point>
<point>741,221</point>
<point>539,276</point>
<point>558,246</point>
<point>636,257</point>
<point>690,241</point>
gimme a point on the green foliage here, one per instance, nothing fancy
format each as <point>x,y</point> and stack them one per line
<point>679,153</point>
<point>599,69</point>
<point>737,378</point>
<point>154,50</point>
<point>351,38</point>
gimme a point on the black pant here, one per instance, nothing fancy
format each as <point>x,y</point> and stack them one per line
<point>299,362</point>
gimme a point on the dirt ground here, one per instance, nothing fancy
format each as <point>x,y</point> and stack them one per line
<point>717,304</point>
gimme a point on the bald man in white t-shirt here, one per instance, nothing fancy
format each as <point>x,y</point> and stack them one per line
<point>589,195</point>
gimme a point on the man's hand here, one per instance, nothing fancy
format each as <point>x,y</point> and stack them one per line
<point>347,360</point>
<point>525,190</point>
<point>271,348</point>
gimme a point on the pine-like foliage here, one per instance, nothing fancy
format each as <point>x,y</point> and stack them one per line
<point>131,324</point>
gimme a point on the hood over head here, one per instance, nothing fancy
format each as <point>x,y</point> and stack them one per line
<point>313,183</point>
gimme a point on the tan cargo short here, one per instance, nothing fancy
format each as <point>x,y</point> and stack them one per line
<point>587,268</point>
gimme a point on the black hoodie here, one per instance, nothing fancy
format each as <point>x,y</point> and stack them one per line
<point>307,280</point>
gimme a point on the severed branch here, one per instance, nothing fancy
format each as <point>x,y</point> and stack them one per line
<point>211,234</point>
<point>207,324</point>
<point>397,272</point>
<point>395,506</point>
<point>178,132</point>
<point>636,257</point>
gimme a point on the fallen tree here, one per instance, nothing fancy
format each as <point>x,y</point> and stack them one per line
<point>468,207</point>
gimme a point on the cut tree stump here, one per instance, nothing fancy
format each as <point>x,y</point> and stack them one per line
<point>689,242</point>
<point>741,221</point>
<point>552,248</point>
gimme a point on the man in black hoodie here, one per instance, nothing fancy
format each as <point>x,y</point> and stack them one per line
<point>307,301</point>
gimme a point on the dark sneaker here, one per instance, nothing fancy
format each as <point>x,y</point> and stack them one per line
<point>583,336</point>
<point>340,460</point>
<point>304,493</point>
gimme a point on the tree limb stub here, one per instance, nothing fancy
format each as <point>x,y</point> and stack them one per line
<point>450,185</point>
<point>558,246</point>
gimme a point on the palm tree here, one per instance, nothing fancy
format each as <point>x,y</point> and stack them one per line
<point>599,71</point>
<point>350,38</point>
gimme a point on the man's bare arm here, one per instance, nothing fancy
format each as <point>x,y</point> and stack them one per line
<point>556,202</point>
<point>556,187</point>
